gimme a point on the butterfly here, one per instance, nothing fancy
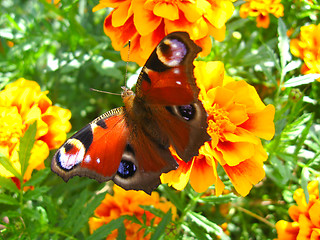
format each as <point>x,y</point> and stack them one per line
<point>130,145</point>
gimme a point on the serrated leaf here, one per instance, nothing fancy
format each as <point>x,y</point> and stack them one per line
<point>105,230</point>
<point>284,47</point>
<point>8,184</point>
<point>160,230</point>
<point>217,200</point>
<point>74,212</point>
<point>207,225</point>
<point>38,177</point>
<point>8,200</point>
<point>5,162</point>
<point>172,195</point>
<point>121,232</point>
<point>291,66</point>
<point>26,145</point>
<point>271,54</point>
<point>303,136</point>
<point>305,178</point>
<point>36,193</point>
<point>298,81</point>
<point>153,210</point>
<point>86,212</point>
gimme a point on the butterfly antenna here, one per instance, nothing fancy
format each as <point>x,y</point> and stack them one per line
<point>126,75</point>
<point>111,93</point>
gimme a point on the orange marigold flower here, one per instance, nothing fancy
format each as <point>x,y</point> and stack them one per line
<point>22,103</point>
<point>128,203</point>
<point>307,47</point>
<point>305,215</point>
<point>146,22</point>
<point>261,9</point>
<point>236,122</point>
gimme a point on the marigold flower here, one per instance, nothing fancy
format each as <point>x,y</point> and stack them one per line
<point>261,9</point>
<point>236,122</point>
<point>146,22</point>
<point>22,103</point>
<point>305,215</point>
<point>307,48</point>
<point>128,203</point>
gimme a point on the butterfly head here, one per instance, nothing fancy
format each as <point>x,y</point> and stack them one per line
<point>126,92</point>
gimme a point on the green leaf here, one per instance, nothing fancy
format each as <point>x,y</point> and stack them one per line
<point>8,200</point>
<point>217,200</point>
<point>36,193</point>
<point>121,232</point>
<point>160,230</point>
<point>284,47</point>
<point>86,212</point>
<point>305,178</point>
<point>105,230</point>
<point>207,225</point>
<point>172,195</point>
<point>153,210</point>
<point>8,184</point>
<point>298,81</point>
<point>74,212</point>
<point>26,145</point>
<point>38,177</point>
<point>5,162</point>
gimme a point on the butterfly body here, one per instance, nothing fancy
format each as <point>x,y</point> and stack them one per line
<point>130,144</point>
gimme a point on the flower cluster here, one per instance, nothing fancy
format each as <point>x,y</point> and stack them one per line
<point>307,47</point>
<point>261,10</point>
<point>145,23</point>
<point>237,119</point>
<point>21,104</point>
<point>305,215</point>
<point>128,203</point>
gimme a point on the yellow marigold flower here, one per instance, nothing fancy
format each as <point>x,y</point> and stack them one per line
<point>307,47</point>
<point>305,215</point>
<point>261,10</point>
<point>128,203</point>
<point>22,103</point>
<point>236,122</point>
<point>146,22</point>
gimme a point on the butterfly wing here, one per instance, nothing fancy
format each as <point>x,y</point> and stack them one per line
<point>103,150</point>
<point>167,85</point>
<point>95,151</point>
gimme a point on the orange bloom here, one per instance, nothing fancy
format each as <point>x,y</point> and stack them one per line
<point>22,103</point>
<point>146,22</point>
<point>128,203</point>
<point>236,122</point>
<point>305,215</point>
<point>261,9</point>
<point>307,47</point>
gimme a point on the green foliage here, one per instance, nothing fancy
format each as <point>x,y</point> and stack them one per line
<point>65,50</point>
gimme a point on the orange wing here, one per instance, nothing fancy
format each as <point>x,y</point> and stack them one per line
<point>96,150</point>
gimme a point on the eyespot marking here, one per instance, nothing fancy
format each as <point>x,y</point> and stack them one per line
<point>126,169</point>
<point>70,155</point>
<point>187,111</point>
<point>171,52</point>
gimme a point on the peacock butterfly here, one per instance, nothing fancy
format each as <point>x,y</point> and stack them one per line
<point>130,144</point>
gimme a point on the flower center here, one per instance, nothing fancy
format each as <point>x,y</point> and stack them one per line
<point>219,122</point>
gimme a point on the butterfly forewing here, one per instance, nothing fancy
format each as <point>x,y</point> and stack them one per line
<point>96,150</point>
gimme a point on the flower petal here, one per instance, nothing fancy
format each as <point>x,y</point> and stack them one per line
<point>245,174</point>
